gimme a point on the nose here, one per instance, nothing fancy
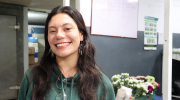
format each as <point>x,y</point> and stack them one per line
<point>60,35</point>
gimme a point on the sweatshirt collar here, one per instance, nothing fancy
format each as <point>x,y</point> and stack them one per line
<point>71,81</point>
<point>57,72</point>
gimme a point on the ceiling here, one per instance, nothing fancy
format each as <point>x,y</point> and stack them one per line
<point>38,9</point>
<point>39,4</point>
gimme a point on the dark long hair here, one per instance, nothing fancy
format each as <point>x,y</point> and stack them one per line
<point>90,75</point>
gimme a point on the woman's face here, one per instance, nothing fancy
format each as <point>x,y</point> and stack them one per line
<point>63,35</point>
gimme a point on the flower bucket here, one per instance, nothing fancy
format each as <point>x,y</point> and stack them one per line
<point>152,96</point>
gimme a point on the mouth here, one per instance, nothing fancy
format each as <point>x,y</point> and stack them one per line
<point>62,44</point>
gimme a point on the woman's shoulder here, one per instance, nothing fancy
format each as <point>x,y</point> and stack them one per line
<point>105,79</point>
<point>105,88</point>
<point>29,73</point>
<point>34,69</point>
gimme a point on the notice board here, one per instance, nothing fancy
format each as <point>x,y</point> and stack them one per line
<point>114,18</point>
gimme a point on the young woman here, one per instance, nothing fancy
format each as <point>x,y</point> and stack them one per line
<point>67,70</point>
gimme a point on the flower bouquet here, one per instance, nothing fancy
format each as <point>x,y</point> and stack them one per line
<point>142,87</point>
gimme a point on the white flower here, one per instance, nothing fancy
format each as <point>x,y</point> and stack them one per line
<point>122,83</point>
<point>127,79</point>
<point>148,83</point>
<point>135,81</point>
<point>144,94</point>
<point>130,80</point>
<point>138,86</point>
<point>135,85</point>
<point>143,86</point>
<point>131,85</point>
<point>140,81</point>
<point>116,77</point>
<point>117,82</point>
<point>146,90</point>
<point>125,75</point>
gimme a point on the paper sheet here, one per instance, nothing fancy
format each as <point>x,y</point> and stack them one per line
<point>160,38</point>
<point>150,33</point>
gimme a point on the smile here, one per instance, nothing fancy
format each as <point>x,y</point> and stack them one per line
<point>62,44</point>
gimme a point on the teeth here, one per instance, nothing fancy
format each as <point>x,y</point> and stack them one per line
<point>63,44</point>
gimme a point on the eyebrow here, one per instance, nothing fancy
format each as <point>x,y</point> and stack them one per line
<point>61,26</point>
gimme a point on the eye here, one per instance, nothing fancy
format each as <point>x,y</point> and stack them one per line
<point>67,29</point>
<point>52,31</point>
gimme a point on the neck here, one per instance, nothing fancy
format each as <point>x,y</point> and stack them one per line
<point>68,65</point>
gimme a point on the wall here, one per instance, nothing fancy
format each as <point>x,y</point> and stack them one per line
<point>84,7</point>
<point>16,10</point>
<point>122,55</point>
<point>73,3</point>
<point>176,40</point>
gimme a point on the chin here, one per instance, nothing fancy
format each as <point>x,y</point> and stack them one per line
<point>61,56</point>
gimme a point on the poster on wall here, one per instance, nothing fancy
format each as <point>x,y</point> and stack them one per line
<point>150,33</point>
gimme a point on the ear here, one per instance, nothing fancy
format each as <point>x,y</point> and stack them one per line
<point>81,36</point>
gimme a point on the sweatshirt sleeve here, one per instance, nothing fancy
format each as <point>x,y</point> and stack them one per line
<point>23,88</point>
<point>108,92</point>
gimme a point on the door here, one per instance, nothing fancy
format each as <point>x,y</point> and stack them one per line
<point>8,59</point>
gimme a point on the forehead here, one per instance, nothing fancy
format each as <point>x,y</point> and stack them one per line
<point>61,19</point>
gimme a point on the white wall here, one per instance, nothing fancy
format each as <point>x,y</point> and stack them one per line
<point>73,3</point>
<point>84,7</point>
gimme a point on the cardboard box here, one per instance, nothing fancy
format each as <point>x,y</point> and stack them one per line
<point>31,55</point>
<point>31,50</point>
<point>31,59</point>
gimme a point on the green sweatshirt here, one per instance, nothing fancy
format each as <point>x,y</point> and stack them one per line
<point>69,85</point>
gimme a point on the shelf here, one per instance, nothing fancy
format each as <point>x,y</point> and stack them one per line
<point>175,96</point>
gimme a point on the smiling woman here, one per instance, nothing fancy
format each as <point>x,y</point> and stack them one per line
<point>67,70</point>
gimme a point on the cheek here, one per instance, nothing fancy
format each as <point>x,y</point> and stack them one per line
<point>72,36</point>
